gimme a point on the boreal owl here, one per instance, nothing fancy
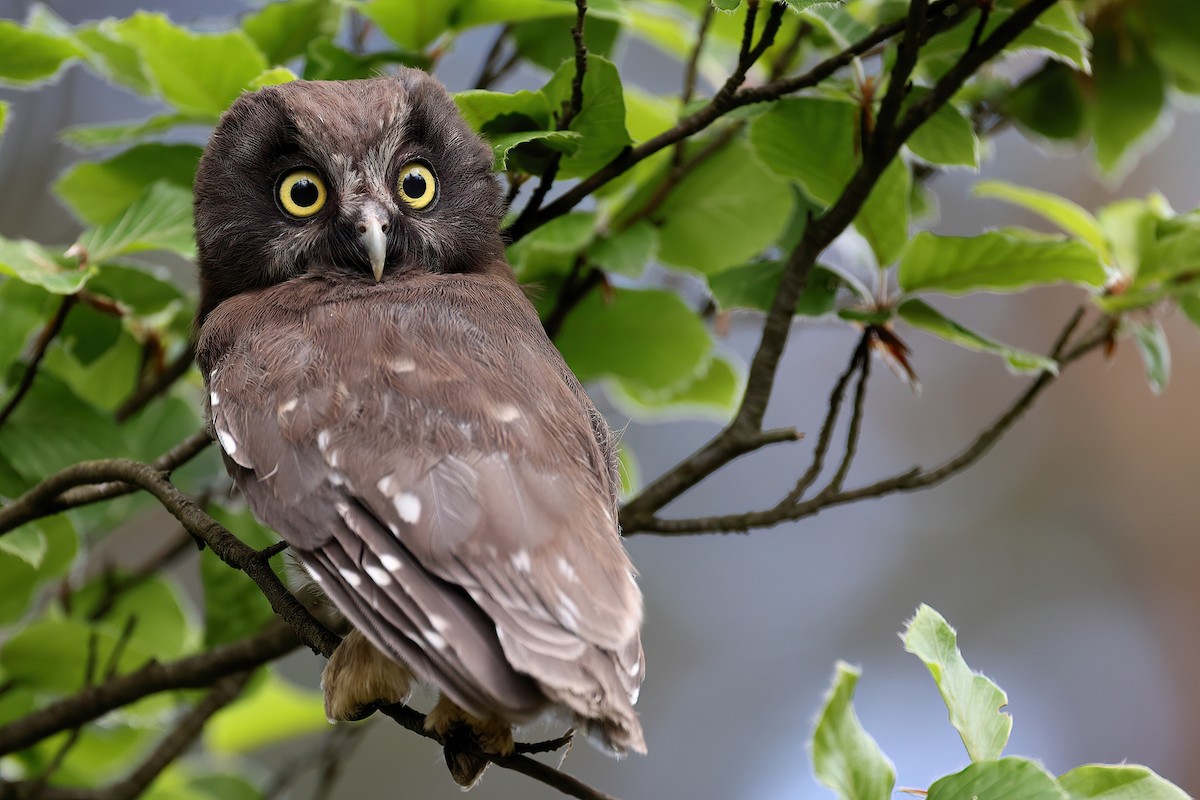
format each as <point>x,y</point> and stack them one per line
<point>387,400</point>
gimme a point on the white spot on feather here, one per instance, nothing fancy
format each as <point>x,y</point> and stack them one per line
<point>568,612</point>
<point>390,562</point>
<point>290,405</point>
<point>633,669</point>
<point>386,485</point>
<point>323,440</point>
<point>227,442</point>
<point>402,364</point>
<point>507,413</point>
<point>521,561</point>
<point>379,576</point>
<point>351,577</point>
<point>567,570</point>
<point>439,623</point>
<point>214,399</point>
<point>434,639</point>
<point>408,506</point>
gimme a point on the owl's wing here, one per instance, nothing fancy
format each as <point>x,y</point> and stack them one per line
<point>439,472</point>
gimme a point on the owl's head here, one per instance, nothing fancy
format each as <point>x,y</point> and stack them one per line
<point>358,179</point>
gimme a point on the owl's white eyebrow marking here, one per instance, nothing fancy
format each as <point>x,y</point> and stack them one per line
<point>408,506</point>
<point>402,364</point>
<point>521,561</point>
<point>567,570</point>
<point>350,576</point>
<point>506,413</point>
<point>380,576</point>
<point>390,562</point>
<point>227,442</point>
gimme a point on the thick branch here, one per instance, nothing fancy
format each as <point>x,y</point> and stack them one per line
<point>82,484</point>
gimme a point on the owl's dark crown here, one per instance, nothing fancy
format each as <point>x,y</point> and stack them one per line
<point>353,151</point>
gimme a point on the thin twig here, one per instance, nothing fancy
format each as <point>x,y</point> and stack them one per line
<point>942,14</point>
<point>160,383</point>
<point>40,345</point>
<point>855,428</point>
<point>833,409</point>
<point>489,72</point>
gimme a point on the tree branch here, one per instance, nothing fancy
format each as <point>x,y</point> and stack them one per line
<point>193,672</point>
<point>40,345</point>
<point>910,480</point>
<point>78,485</point>
<point>942,14</point>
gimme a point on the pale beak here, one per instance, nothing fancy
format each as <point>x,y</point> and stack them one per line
<point>372,230</point>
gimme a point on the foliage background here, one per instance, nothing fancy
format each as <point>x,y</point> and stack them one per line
<point>1065,558</point>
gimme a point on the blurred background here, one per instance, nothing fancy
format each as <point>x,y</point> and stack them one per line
<point>1066,558</point>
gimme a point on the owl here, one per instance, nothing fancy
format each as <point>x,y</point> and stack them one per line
<point>387,401</point>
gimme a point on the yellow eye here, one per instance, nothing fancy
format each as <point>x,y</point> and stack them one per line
<point>302,193</point>
<point>417,185</point>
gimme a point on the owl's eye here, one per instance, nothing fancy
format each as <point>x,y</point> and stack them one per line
<point>417,185</point>
<point>302,193</point>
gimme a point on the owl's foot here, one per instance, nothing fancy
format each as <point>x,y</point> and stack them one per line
<point>463,734</point>
<point>359,679</point>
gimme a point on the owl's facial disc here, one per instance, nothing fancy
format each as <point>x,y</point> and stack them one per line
<point>372,233</point>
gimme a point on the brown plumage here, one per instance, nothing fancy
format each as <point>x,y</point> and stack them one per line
<point>388,402</point>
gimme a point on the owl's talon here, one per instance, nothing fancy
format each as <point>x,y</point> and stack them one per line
<point>463,734</point>
<point>358,679</point>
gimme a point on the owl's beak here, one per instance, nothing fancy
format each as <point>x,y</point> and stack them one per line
<point>372,232</point>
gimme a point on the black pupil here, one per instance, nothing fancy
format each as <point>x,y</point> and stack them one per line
<point>305,193</point>
<point>413,185</point>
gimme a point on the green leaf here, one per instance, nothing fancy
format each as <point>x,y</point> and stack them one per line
<point>1174,28</point>
<point>99,359</point>
<point>283,31</point>
<point>1129,226</point>
<point>480,107</point>
<point>713,393</point>
<point>408,24</point>
<point>646,338</point>
<point>1001,261</point>
<point>974,702</point>
<point>1129,98</point>
<point>91,137</point>
<point>1067,215</point>
<point>552,248</point>
<point>111,57</point>
<point>1006,779</point>
<point>727,210</point>
<point>271,77</point>
<point>1118,782</point>
<point>1050,38</point>
<point>199,74</point>
<point>30,262</point>
<point>845,757</point>
<point>947,138</point>
<point>1176,252</point>
<point>601,121</point>
<point>160,219</point>
<point>234,607</point>
<point>924,316</point>
<point>28,56</point>
<point>1049,103</point>
<point>547,42</point>
<point>160,623</point>
<point>628,252</point>
<point>26,309</point>
<point>883,220</point>
<point>273,711</point>
<point>1152,344</point>
<point>325,61</point>
<point>754,285</point>
<point>17,576</point>
<point>3,117</point>
<point>37,442</point>
<point>53,654</point>
<point>100,191</point>
<point>225,787</point>
<point>565,142</point>
<point>27,543</point>
<point>137,287</point>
